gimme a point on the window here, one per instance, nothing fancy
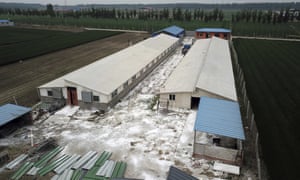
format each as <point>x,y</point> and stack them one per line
<point>172,97</point>
<point>49,93</point>
<point>113,94</point>
<point>96,98</point>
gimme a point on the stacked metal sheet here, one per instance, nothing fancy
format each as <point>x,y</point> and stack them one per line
<point>16,161</point>
<point>107,169</point>
<point>68,163</point>
<point>84,159</point>
<point>91,162</point>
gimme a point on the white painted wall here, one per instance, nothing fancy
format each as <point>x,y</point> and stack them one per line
<point>103,97</point>
<point>182,100</point>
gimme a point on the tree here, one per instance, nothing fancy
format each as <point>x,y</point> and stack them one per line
<point>221,15</point>
<point>50,10</point>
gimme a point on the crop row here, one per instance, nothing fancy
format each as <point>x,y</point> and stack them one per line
<point>272,71</point>
<point>19,44</point>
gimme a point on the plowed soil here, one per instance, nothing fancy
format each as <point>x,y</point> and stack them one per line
<point>20,80</point>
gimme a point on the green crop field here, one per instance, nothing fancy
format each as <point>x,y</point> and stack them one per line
<point>130,24</point>
<point>272,73</point>
<point>19,44</point>
<point>283,30</point>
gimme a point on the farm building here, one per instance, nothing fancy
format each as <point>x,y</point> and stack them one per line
<point>206,70</point>
<point>172,31</point>
<point>4,22</point>
<point>103,83</point>
<point>204,33</point>
<point>13,116</point>
<point>221,120</point>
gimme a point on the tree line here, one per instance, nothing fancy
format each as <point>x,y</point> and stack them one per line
<point>142,14</point>
<point>259,16</point>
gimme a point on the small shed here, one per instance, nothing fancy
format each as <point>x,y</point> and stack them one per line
<point>5,22</point>
<point>203,33</point>
<point>220,121</point>
<point>172,31</point>
<point>13,116</point>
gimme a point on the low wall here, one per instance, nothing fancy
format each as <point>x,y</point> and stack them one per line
<point>231,156</point>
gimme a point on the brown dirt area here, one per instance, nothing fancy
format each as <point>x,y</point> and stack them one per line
<point>20,80</point>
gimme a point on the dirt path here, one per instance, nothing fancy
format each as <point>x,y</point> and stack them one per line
<point>20,80</point>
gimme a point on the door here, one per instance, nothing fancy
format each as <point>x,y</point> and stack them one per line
<point>195,102</point>
<point>72,96</point>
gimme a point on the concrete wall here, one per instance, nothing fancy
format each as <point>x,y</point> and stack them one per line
<point>182,100</point>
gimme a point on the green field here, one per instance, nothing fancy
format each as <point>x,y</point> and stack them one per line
<point>288,30</point>
<point>272,73</point>
<point>283,30</point>
<point>20,44</point>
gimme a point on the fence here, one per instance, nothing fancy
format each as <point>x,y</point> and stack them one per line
<point>252,145</point>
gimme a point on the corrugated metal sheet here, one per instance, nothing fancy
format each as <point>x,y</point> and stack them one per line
<point>219,117</point>
<point>33,171</point>
<point>49,167</point>
<point>218,30</point>
<point>9,112</point>
<point>207,66</point>
<point>86,96</point>
<point>176,174</point>
<point>16,161</point>
<point>4,21</point>
<point>84,159</point>
<point>91,162</point>
<point>109,73</point>
<point>68,163</point>
<point>174,30</point>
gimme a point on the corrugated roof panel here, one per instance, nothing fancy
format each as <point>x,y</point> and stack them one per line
<point>176,174</point>
<point>219,117</point>
<point>4,21</point>
<point>109,73</point>
<point>185,76</point>
<point>174,30</point>
<point>213,30</point>
<point>216,75</point>
<point>9,112</point>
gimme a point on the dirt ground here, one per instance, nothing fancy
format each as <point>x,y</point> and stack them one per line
<point>20,80</point>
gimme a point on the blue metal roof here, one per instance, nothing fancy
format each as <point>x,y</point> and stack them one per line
<point>219,117</point>
<point>218,30</point>
<point>177,174</point>
<point>4,20</point>
<point>9,112</point>
<point>174,30</point>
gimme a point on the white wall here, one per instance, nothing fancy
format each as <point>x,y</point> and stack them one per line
<point>182,100</point>
<point>103,97</point>
<point>200,93</point>
<point>43,91</point>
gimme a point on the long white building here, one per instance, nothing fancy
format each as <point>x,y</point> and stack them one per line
<point>206,70</point>
<point>102,83</point>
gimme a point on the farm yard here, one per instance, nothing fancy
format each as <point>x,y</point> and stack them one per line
<point>20,80</point>
<point>149,141</point>
<point>272,71</point>
<point>19,44</point>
